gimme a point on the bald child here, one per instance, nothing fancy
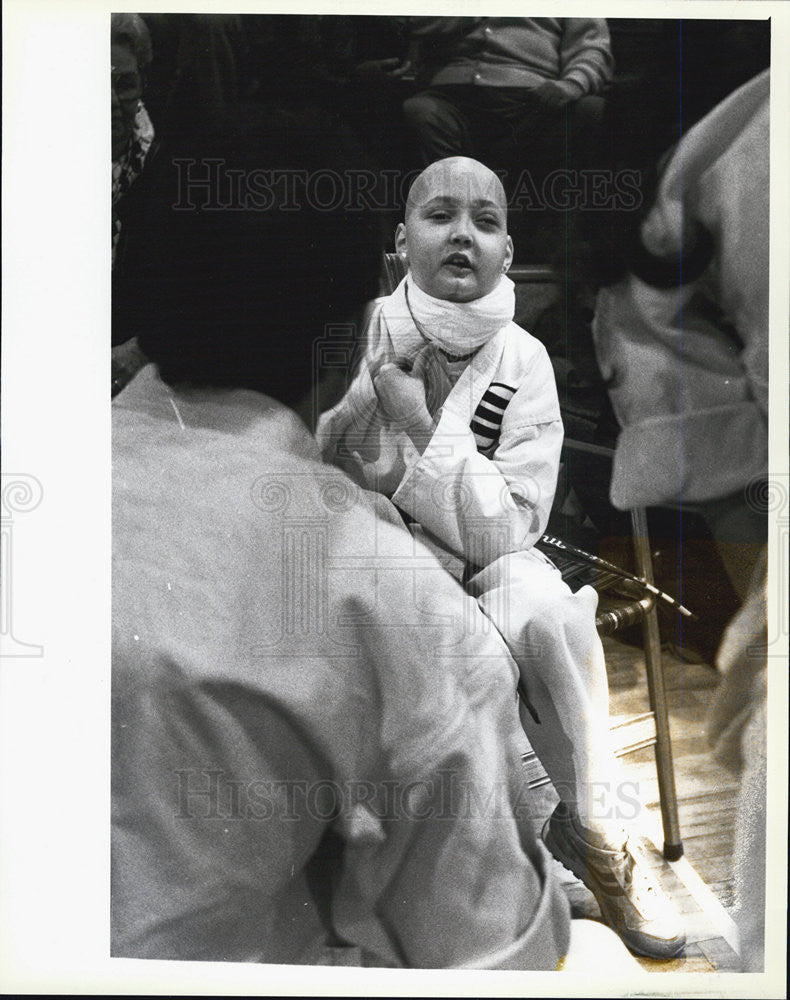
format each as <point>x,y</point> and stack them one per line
<point>453,416</point>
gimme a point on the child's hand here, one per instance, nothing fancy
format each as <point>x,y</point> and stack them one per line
<point>402,398</point>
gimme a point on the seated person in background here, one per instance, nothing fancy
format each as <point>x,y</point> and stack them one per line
<point>132,142</point>
<point>308,715</point>
<point>132,131</point>
<point>517,80</point>
<point>454,416</point>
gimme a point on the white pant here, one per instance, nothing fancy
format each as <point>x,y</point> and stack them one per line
<point>551,634</point>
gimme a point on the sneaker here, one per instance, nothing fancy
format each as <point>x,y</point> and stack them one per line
<point>630,902</point>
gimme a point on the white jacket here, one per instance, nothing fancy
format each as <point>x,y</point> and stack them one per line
<point>485,484</point>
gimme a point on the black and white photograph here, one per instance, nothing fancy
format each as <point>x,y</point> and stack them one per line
<point>395,513</point>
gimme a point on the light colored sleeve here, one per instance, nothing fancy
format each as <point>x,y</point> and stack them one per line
<point>354,435</point>
<point>482,506</point>
<point>586,54</point>
<point>350,429</point>
<point>691,424</point>
<point>687,365</point>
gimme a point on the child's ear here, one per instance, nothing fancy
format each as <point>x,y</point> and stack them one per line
<point>400,241</point>
<point>508,254</point>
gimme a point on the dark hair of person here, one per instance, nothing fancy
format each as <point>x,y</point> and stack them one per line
<point>620,251</point>
<point>240,284</point>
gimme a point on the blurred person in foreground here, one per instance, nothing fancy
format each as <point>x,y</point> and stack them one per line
<point>313,752</point>
<point>683,343</point>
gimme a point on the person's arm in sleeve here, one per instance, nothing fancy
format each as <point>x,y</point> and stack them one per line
<point>350,429</point>
<point>482,507</point>
<point>354,435</point>
<point>682,340</point>
<point>586,63</point>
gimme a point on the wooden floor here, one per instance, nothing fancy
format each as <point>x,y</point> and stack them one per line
<point>706,802</point>
<point>700,884</point>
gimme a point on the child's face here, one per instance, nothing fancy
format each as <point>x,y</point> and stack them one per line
<point>455,235</point>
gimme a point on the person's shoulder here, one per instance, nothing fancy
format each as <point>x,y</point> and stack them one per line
<point>522,348</point>
<point>372,315</point>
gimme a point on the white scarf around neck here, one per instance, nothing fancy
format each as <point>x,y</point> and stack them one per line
<point>461,327</point>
